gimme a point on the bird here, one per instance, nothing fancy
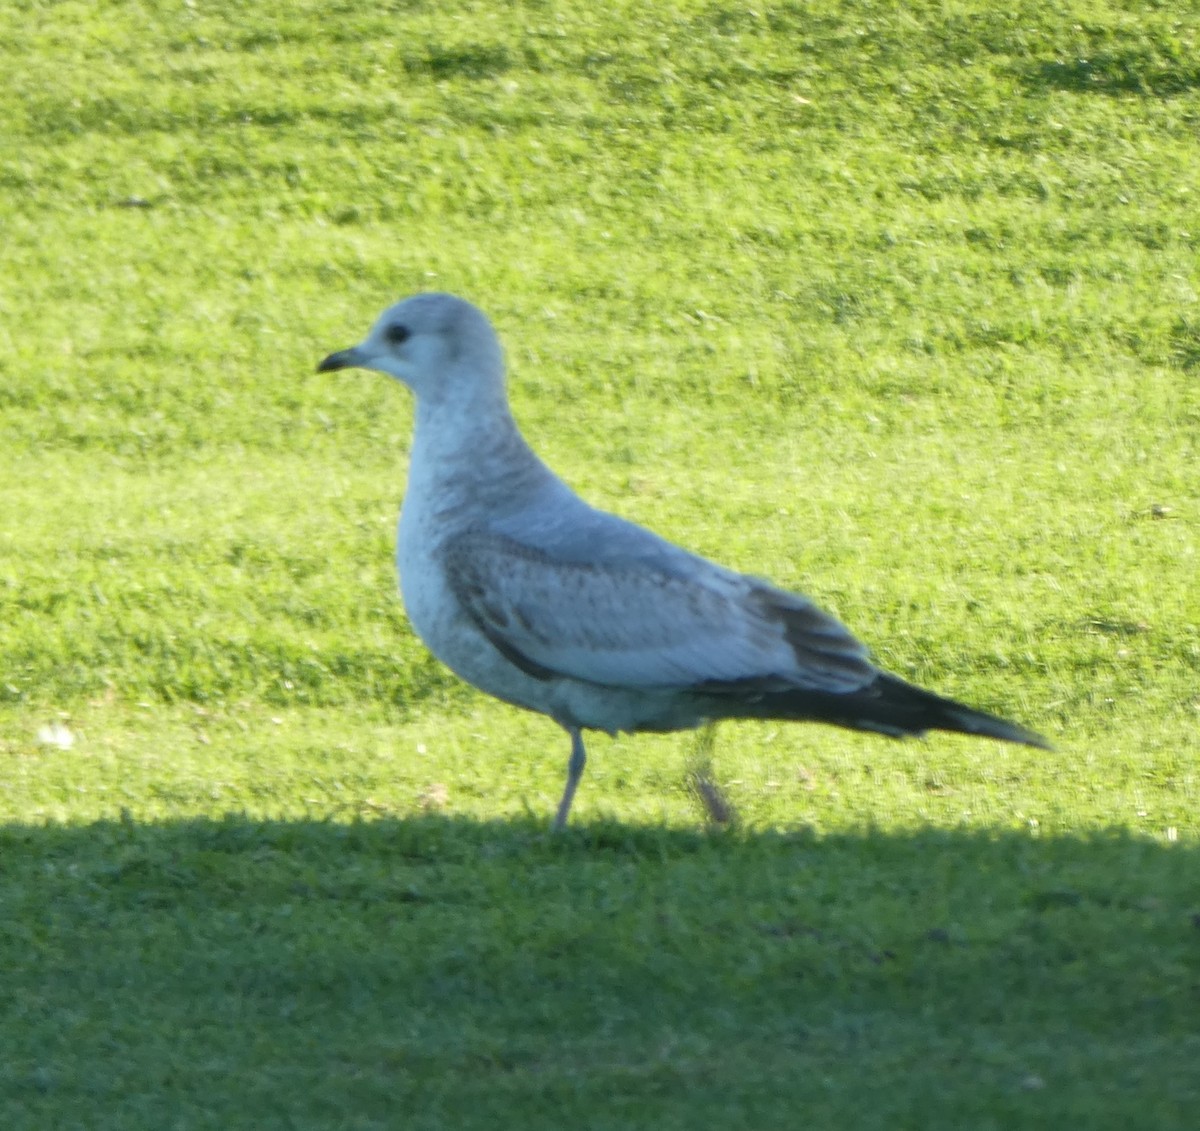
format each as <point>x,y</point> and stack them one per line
<point>535,597</point>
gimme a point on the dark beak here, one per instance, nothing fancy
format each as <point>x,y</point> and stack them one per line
<point>343,359</point>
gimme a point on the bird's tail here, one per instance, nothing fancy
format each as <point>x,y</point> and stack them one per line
<point>888,705</point>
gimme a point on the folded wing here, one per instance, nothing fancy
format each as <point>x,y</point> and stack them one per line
<point>636,623</point>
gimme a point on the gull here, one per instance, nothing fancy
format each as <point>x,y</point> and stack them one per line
<point>535,597</point>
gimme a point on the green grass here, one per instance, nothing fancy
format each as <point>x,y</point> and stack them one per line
<point>896,304</point>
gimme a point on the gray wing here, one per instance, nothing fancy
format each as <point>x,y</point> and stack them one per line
<point>653,616</point>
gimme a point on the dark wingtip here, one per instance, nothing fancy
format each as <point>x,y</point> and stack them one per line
<point>971,721</point>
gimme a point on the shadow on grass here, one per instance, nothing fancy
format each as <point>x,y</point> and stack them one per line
<point>252,973</point>
<point>1134,70</point>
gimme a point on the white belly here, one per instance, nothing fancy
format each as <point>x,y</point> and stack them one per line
<point>454,638</point>
<point>436,616</point>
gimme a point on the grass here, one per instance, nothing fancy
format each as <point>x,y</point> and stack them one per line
<point>444,971</point>
<point>894,304</point>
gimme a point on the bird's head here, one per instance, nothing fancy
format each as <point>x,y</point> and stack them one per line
<point>431,342</point>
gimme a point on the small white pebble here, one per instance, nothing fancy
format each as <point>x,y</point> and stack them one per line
<point>56,735</point>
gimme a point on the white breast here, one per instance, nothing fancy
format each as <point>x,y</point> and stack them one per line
<point>438,619</point>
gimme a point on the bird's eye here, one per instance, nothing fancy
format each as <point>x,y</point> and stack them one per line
<point>396,333</point>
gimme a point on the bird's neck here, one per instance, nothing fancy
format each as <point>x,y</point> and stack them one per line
<point>468,450</point>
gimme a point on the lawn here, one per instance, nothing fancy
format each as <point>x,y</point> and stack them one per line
<point>895,304</point>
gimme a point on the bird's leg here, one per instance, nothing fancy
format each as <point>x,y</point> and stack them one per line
<point>574,773</point>
<point>703,784</point>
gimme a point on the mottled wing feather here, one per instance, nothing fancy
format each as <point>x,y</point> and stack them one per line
<point>633,624</point>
